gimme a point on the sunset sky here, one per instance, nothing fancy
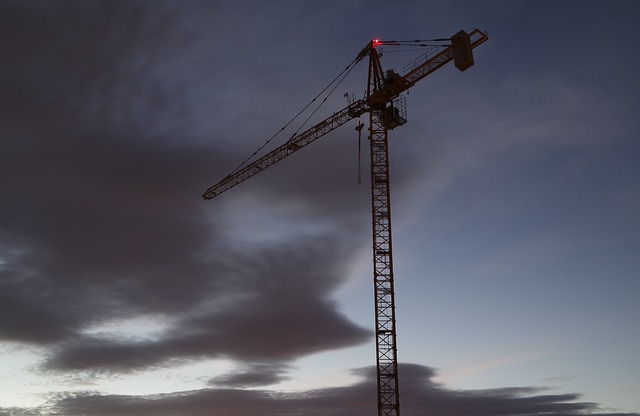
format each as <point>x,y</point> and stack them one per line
<point>514,185</point>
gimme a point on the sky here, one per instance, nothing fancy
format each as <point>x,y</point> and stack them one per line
<point>514,189</point>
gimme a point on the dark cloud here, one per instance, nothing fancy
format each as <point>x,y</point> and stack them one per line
<point>421,397</point>
<point>252,375</point>
<point>276,314</point>
<point>25,318</point>
<point>102,220</point>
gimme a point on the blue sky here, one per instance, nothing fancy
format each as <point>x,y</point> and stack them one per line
<point>515,200</point>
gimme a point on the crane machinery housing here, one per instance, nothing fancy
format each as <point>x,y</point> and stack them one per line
<point>386,109</point>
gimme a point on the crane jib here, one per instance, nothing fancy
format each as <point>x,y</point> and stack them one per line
<point>294,144</point>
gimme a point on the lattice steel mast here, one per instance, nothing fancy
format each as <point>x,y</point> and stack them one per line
<point>380,120</point>
<point>386,110</point>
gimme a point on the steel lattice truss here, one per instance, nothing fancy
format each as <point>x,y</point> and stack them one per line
<point>387,362</point>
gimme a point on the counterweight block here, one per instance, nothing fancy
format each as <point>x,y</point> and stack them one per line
<point>462,51</point>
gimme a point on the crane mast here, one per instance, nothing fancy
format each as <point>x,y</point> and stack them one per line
<point>386,351</point>
<point>386,111</point>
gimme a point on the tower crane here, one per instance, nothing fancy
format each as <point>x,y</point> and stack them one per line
<point>386,109</point>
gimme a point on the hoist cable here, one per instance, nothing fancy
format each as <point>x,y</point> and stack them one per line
<point>394,42</point>
<point>359,155</point>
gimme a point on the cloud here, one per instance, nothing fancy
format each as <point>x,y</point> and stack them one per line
<point>264,327</point>
<point>102,219</point>
<point>24,321</point>
<point>252,375</point>
<point>420,397</point>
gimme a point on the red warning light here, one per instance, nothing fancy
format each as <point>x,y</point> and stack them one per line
<point>376,42</point>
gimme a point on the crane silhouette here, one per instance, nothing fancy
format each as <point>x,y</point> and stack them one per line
<point>387,110</point>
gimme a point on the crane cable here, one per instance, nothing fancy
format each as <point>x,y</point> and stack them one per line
<point>419,42</point>
<point>359,129</point>
<point>340,77</point>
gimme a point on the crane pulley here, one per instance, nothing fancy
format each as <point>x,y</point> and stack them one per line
<point>386,110</point>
